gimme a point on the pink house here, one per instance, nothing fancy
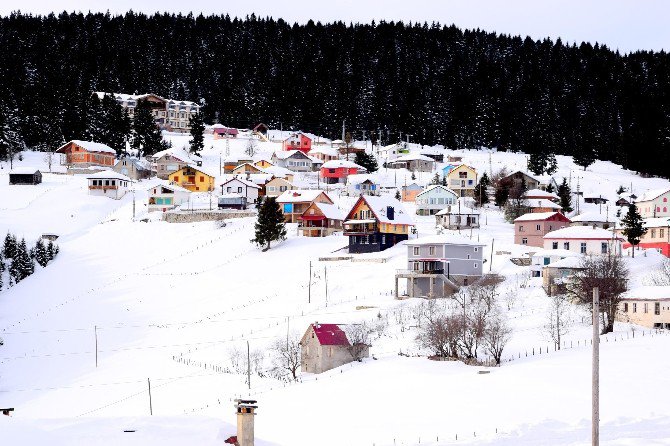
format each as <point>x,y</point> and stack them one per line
<point>529,229</point>
<point>298,141</point>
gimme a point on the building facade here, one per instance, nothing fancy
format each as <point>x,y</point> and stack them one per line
<point>462,179</point>
<point>530,229</point>
<point>193,179</point>
<point>376,223</point>
<point>434,198</point>
<point>80,154</point>
<point>108,184</point>
<point>326,346</point>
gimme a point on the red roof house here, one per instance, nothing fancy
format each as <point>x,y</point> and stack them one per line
<point>337,171</point>
<point>298,141</point>
<point>326,346</point>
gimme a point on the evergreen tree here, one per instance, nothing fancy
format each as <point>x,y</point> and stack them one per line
<point>366,160</point>
<point>10,246</point>
<point>565,195</point>
<point>397,195</point>
<point>444,181</point>
<point>22,265</point>
<point>633,226</point>
<point>147,138</point>
<point>436,179</point>
<point>3,267</point>
<point>11,142</point>
<point>270,225</point>
<point>52,250</point>
<point>481,195</point>
<point>552,165</point>
<point>537,162</point>
<point>413,177</point>
<point>502,192</point>
<point>550,188</point>
<point>40,253</point>
<point>116,125</point>
<point>198,133</point>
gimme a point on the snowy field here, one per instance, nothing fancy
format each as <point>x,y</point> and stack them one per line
<point>177,304</point>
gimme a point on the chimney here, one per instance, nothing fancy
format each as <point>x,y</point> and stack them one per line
<point>245,421</point>
<point>390,212</point>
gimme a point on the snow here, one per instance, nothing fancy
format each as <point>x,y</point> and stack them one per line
<point>24,170</point>
<point>591,217</point>
<point>330,151</point>
<point>581,232</point>
<point>652,194</point>
<point>173,301</point>
<point>652,292</point>
<point>243,181</point>
<point>458,210</point>
<point>413,157</point>
<point>538,193</point>
<point>330,211</point>
<point>299,196</point>
<point>542,203</point>
<point>91,146</point>
<point>379,206</point>
<point>108,174</point>
<point>568,262</point>
<point>535,216</point>
<point>442,239</point>
<point>334,164</point>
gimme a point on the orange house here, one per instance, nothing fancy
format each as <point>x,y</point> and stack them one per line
<point>193,179</point>
<point>86,154</point>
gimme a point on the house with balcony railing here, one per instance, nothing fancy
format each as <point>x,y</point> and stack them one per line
<point>376,223</point>
<point>437,265</point>
<point>462,179</point>
<point>108,184</point>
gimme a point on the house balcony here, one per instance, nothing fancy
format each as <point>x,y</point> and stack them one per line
<point>103,188</point>
<point>360,227</point>
<point>407,273</point>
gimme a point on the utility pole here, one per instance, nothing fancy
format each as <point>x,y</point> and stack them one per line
<point>325,279</point>
<point>133,203</point>
<point>309,287</point>
<point>248,366</point>
<point>151,409</point>
<point>343,130</point>
<point>595,415</point>
<point>96,346</point>
<point>491,264</point>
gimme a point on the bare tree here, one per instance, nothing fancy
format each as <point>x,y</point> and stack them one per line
<point>661,277</point>
<point>286,352</point>
<point>559,320</point>
<point>610,275</point>
<point>48,158</point>
<point>237,360</point>
<point>359,338</point>
<point>497,335</point>
<point>250,149</point>
<point>441,336</point>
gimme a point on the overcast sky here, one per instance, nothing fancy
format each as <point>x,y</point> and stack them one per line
<point>624,25</point>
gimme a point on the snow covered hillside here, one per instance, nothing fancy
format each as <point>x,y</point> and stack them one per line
<point>129,300</point>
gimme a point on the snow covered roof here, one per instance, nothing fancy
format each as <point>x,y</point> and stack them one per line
<point>657,222</point>
<point>243,181</point>
<point>108,175</point>
<point>444,239</point>
<point>334,164</point>
<point>539,216</point>
<point>379,206</point>
<point>315,160</point>
<point>324,150</point>
<point>591,216</point>
<point>538,193</point>
<point>568,262</point>
<point>581,233</point>
<point>299,195</point>
<point>179,153</point>
<point>256,178</point>
<point>555,253</point>
<point>278,171</point>
<point>648,292</point>
<point>359,178</point>
<point>652,194</point>
<point>432,151</point>
<point>430,187</point>
<point>136,97</point>
<point>284,154</point>
<point>413,157</point>
<point>330,211</point>
<point>24,170</point>
<point>542,203</point>
<point>458,210</point>
<point>156,182</point>
<point>90,146</point>
<point>330,334</point>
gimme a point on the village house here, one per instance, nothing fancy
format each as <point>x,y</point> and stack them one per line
<point>584,240</point>
<point>362,184</point>
<point>457,216</point>
<point>220,131</point>
<point>434,153</point>
<point>263,163</point>
<point>242,187</point>
<point>326,346</point>
<point>247,168</point>
<point>325,154</point>
<point>543,257</point>
<point>591,199</point>
<point>259,179</point>
<point>625,199</point>
<point>232,201</point>
<point>657,236</point>
<point>648,306</point>
<point>592,219</point>
<point>518,178</point>
<point>320,220</point>
<point>277,186</point>
<point>391,151</point>
<point>133,168</point>
<point>170,114</point>
<point>376,223</point>
<point>297,141</point>
<point>25,175</point>
<point>170,160</point>
<point>193,179</point>
<point>108,184</point>
<point>542,205</point>
<point>438,264</point>
<point>413,162</point>
<point>539,194</point>
<point>294,160</point>
<point>337,171</point>
<point>410,191</point>
<point>434,199</point>
<point>530,229</point>
<point>165,196</point>
<point>83,154</point>
<point>294,203</point>
<point>462,179</point>
<point>556,275</point>
<point>280,172</point>
<point>654,203</point>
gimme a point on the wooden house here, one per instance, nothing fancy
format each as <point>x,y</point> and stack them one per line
<point>165,196</point>
<point>298,141</point>
<point>108,184</point>
<point>25,175</point>
<point>462,179</point>
<point>320,220</point>
<point>193,179</point>
<point>326,346</point>
<point>376,223</point>
<point>82,154</point>
<point>294,203</point>
<point>337,171</point>
<point>263,163</point>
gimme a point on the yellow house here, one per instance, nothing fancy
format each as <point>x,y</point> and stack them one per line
<point>193,179</point>
<point>263,164</point>
<point>462,179</point>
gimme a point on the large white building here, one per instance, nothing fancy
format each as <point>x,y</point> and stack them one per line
<point>584,240</point>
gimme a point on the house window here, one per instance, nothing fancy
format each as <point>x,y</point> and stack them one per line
<point>431,251</point>
<point>176,178</point>
<point>228,189</point>
<point>625,307</point>
<point>646,307</point>
<point>582,247</point>
<point>653,233</point>
<point>634,307</point>
<point>554,245</point>
<point>566,245</point>
<point>521,228</point>
<point>537,227</point>
<point>603,248</point>
<point>383,239</point>
<point>239,190</point>
<point>661,233</point>
<point>416,266</point>
<point>476,249</point>
<point>524,241</point>
<point>657,308</point>
<point>416,250</point>
<point>476,265</point>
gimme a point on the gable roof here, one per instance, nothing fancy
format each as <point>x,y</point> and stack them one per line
<point>284,154</point>
<point>539,193</point>
<point>524,174</point>
<point>573,262</point>
<point>108,175</point>
<point>458,167</point>
<point>24,171</point>
<point>89,146</point>
<point>300,196</point>
<point>652,194</point>
<point>330,334</point>
<point>330,211</point>
<point>243,181</point>
<point>324,150</point>
<point>542,203</point>
<point>412,157</point>
<point>444,239</point>
<point>541,216</point>
<point>166,184</point>
<point>583,233</point>
<point>594,216</point>
<point>380,204</point>
<point>433,187</point>
<point>455,209</point>
<point>334,164</point>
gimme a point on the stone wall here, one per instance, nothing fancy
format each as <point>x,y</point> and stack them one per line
<point>196,216</point>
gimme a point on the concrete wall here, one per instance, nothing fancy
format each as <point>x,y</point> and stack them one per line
<point>196,216</point>
<point>464,260</point>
